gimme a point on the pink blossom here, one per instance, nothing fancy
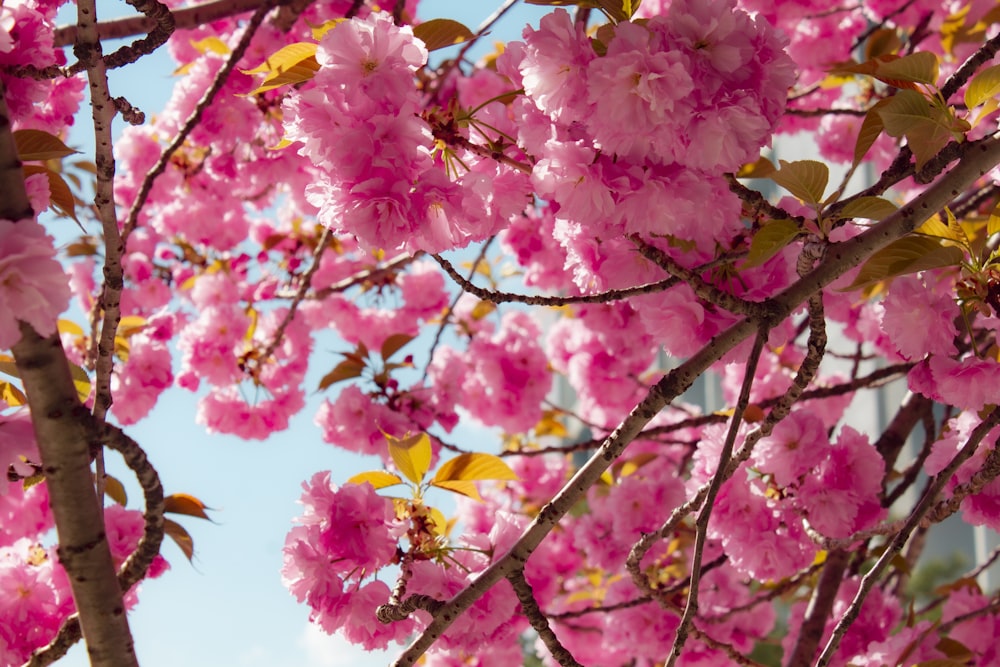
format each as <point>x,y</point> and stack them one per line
<point>919,318</point>
<point>794,448</point>
<point>33,287</point>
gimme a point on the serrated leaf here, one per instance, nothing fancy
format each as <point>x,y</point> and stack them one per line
<point>115,490</point>
<point>284,58</point>
<point>993,224</point>
<point>325,27</point>
<point>769,241</point>
<point>920,67</point>
<point>869,208</point>
<point>949,228</point>
<point>61,198</point>
<point>69,327</point>
<point>183,503</point>
<point>412,455</point>
<point>983,86</point>
<point>345,370</point>
<point>181,537</point>
<point>473,466</point>
<point>12,395</point>
<point>927,129</point>
<point>379,479</point>
<point>441,33</point>
<point>35,145</point>
<point>806,179</point>
<point>122,348</point>
<point>394,344</point>
<point>762,168</point>
<point>298,73</point>
<point>904,256</point>
<point>871,127</point>
<point>81,380</point>
<point>465,488</point>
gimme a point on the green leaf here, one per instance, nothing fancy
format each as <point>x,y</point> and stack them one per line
<point>183,503</point>
<point>441,33</point>
<point>379,479</point>
<point>871,128</point>
<point>474,466</point>
<point>927,129</point>
<point>115,490</point>
<point>769,240</point>
<point>921,67</point>
<point>345,370</point>
<point>806,179</point>
<point>983,86</point>
<point>394,344</point>
<point>176,532</point>
<point>412,455</point>
<point>869,208</point>
<point>903,256</point>
<point>39,145</point>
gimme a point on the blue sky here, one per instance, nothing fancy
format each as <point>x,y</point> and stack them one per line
<point>229,607</point>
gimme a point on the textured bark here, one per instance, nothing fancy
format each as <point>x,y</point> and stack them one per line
<point>63,430</point>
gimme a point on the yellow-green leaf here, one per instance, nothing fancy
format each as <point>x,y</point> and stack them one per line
<point>115,490</point>
<point>882,42</point>
<point>460,486</point>
<point>983,86</point>
<point>69,327</point>
<point>39,145</point>
<point>81,380</point>
<point>806,179</point>
<point>12,395</point>
<point>394,344</point>
<point>441,33</point>
<point>869,208</point>
<point>920,67</point>
<point>412,455</point>
<point>325,27</point>
<point>438,521</point>
<point>903,256</point>
<point>211,44</point>
<point>8,366</point>
<point>949,228</point>
<point>176,532</point>
<point>993,225</point>
<point>550,425</point>
<point>284,58</point>
<point>473,466</point>
<point>769,240</point>
<point>379,479</point>
<point>131,325</point>
<point>183,503</point>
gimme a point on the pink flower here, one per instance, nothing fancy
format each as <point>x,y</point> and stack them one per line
<point>920,319</point>
<point>33,287</point>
